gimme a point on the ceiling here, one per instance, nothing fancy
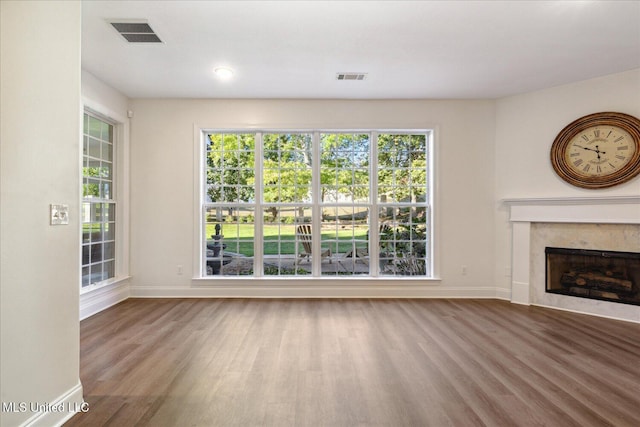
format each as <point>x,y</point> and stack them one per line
<point>409,49</point>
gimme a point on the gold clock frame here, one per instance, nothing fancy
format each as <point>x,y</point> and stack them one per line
<point>559,162</point>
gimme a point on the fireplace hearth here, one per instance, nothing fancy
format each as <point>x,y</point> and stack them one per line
<point>602,275</point>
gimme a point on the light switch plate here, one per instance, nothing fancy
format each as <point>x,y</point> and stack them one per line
<point>59,214</point>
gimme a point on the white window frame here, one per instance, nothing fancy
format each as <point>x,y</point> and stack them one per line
<point>199,168</point>
<point>120,189</point>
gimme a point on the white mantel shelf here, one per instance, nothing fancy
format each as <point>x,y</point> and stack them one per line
<point>525,211</point>
<point>606,210</point>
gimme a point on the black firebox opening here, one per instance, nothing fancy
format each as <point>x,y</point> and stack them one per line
<point>603,275</point>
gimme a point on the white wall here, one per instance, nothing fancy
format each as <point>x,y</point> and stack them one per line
<point>162,180</point>
<point>40,134</point>
<point>526,126</point>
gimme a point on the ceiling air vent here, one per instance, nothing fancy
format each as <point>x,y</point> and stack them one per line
<point>351,76</point>
<point>136,32</point>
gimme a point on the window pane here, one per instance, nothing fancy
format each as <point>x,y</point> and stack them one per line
<point>109,231</point>
<point>344,168</point>
<point>98,219</point>
<point>86,251</point>
<point>97,273</point>
<point>230,167</point>
<point>107,151</point>
<point>96,253</point>
<point>287,168</point>
<point>109,251</point>
<point>229,235</point>
<point>105,190</point>
<point>287,241</point>
<point>86,276</point>
<point>95,127</point>
<point>93,149</point>
<point>403,241</point>
<point>345,233</point>
<point>402,167</point>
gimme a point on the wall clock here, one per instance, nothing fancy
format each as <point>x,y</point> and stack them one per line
<point>599,150</point>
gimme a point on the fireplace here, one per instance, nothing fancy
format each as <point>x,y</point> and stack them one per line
<point>596,274</point>
<point>588,223</point>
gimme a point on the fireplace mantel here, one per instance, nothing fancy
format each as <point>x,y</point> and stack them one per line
<point>608,210</point>
<point>525,211</point>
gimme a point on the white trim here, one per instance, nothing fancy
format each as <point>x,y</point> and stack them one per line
<point>70,403</point>
<point>99,299</point>
<point>520,265</point>
<point>121,179</point>
<point>434,199</point>
<point>258,214</point>
<point>610,210</point>
<point>331,289</point>
<point>503,294</point>
<point>624,319</point>
<point>198,246</point>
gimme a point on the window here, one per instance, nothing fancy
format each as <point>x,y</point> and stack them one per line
<point>98,201</point>
<point>316,204</point>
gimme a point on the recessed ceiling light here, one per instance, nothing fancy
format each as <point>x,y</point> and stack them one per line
<point>223,73</point>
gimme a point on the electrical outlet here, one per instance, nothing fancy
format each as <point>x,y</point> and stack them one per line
<point>180,270</point>
<point>59,214</point>
<point>463,270</point>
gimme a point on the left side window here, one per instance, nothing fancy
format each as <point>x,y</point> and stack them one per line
<point>98,201</point>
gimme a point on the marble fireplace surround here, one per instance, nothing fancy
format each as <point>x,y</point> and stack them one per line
<point>610,223</point>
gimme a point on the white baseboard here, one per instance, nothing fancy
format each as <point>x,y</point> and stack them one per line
<point>589,313</point>
<point>102,298</point>
<point>60,410</point>
<point>309,291</point>
<point>504,294</point>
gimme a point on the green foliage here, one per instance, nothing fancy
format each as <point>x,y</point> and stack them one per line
<point>344,166</point>
<point>402,166</point>
<point>287,167</point>
<point>230,167</point>
<point>409,265</point>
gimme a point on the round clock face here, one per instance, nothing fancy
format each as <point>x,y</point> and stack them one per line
<point>599,150</point>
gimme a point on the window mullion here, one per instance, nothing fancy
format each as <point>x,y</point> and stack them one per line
<point>316,208</point>
<point>374,238</point>
<point>258,230</point>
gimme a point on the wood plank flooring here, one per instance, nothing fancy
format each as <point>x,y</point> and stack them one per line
<point>255,362</point>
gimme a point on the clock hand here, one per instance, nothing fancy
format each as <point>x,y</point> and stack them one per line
<point>585,148</point>
<point>597,150</point>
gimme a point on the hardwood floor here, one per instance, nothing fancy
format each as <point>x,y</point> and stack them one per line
<point>251,362</point>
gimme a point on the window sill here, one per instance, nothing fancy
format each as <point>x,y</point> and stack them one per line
<point>301,281</point>
<point>104,284</point>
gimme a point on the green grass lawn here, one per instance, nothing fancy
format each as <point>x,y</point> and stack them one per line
<point>279,239</point>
